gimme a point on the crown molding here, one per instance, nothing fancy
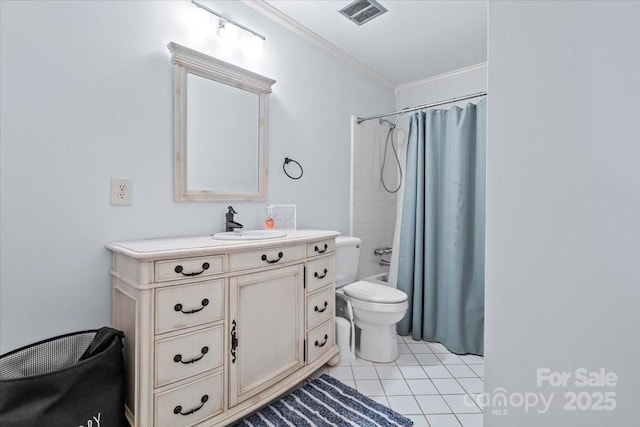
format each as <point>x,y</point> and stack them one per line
<point>446,75</point>
<point>294,26</point>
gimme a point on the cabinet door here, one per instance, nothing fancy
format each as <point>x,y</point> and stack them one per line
<point>266,329</point>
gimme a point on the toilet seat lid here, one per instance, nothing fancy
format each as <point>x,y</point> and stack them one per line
<point>372,292</point>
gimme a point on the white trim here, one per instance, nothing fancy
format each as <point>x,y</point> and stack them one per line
<point>294,26</point>
<point>441,76</point>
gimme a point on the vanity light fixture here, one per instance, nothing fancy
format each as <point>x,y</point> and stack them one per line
<point>228,28</point>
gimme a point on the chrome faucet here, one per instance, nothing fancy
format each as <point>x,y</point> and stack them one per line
<point>230,224</point>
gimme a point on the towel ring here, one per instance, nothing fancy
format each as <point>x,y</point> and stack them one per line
<point>288,160</point>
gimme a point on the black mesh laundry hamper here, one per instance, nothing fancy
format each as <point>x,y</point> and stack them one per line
<point>73,380</point>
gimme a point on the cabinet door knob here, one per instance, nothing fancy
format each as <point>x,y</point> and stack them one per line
<point>234,341</point>
<point>178,409</point>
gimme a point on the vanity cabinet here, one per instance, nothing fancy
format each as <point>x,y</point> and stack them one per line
<point>216,329</point>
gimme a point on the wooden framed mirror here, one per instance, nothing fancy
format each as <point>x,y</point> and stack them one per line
<point>220,129</point>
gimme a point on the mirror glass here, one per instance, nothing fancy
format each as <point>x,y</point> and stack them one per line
<point>222,137</point>
<point>220,129</point>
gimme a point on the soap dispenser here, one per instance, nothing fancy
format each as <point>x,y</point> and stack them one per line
<point>269,223</point>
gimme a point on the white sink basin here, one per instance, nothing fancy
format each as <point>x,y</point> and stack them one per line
<point>250,235</point>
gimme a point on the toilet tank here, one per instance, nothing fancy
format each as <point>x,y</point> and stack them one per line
<point>347,255</point>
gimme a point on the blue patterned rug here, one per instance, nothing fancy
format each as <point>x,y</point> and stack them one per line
<point>325,402</point>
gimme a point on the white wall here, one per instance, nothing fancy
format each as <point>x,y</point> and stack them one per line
<point>87,95</point>
<point>563,206</point>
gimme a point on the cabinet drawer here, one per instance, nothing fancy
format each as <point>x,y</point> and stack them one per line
<point>320,307</point>
<point>187,355</point>
<point>320,272</point>
<point>320,340</point>
<point>321,247</point>
<point>265,257</point>
<point>175,269</point>
<point>189,404</point>
<point>189,305</point>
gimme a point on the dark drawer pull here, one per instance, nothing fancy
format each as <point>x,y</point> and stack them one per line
<point>321,251</point>
<point>317,276</point>
<point>179,270</point>
<point>272,261</point>
<point>178,357</point>
<point>204,302</point>
<point>178,409</point>
<point>326,338</point>
<point>320,310</point>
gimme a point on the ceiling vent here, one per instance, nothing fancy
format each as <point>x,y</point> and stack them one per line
<point>361,11</point>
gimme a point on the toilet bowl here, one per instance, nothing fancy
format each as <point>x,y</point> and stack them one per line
<point>377,308</point>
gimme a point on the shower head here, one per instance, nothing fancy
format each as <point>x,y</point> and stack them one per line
<point>391,125</point>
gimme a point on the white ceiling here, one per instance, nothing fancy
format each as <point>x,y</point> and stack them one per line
<point>415,39</point>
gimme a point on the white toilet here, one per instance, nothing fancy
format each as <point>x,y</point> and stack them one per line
<point>376,308</point>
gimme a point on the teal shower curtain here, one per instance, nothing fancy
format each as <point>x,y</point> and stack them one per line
<point>441,251</point>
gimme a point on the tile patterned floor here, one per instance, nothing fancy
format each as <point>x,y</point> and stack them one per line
<point>427,383</point>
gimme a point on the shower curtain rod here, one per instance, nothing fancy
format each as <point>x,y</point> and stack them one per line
<point>421,107</point>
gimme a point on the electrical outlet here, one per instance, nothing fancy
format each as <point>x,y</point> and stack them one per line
<point>121,192</point>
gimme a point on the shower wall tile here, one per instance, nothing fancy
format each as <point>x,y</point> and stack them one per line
<point>374,209</point>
